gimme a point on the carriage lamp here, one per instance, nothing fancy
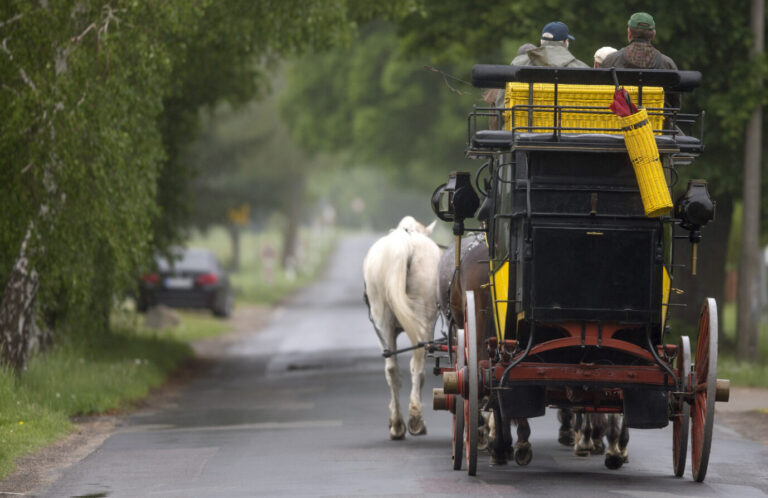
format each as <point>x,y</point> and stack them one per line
<point>695,209</point>
<point>456,201</point>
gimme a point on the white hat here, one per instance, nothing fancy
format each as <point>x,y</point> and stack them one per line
<point>602,53</point>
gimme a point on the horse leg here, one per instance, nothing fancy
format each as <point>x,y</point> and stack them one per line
<point>584,443</point>
<point>566,434</point>
<point>415,421</point>
<point>599,427</point>
<point>523,451</point>
<point>618,437</point>
<point>483,428</point>
<point>499,438</point>
<point>623,439</point>
<point>392,372</point>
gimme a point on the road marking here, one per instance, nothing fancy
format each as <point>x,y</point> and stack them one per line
<point>256,426</point>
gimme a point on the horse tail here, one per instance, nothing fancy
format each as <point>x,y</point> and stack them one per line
<point>396,289</point>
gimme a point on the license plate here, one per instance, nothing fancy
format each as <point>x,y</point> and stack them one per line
<point>178,283</point>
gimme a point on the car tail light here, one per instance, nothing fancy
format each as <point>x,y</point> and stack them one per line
<point>150,278</point>
<point>207,279</point>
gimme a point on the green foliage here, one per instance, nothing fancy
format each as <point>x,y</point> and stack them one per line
<point>243,156</point>
<point>383,108</point>
<point>98,101</point>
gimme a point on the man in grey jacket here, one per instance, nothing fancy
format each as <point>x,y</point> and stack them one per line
<point>552,51</point>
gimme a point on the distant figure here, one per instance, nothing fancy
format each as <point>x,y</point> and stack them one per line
<point>268,255</point>
<point>601,54</point>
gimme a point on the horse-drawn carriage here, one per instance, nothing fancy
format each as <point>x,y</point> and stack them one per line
<point>580,267</point>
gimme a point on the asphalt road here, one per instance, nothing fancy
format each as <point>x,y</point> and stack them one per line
<point>300,409</point>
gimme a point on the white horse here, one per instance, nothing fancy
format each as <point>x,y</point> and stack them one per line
<point>400,273</point>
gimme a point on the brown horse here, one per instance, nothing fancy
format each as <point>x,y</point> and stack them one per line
<point>472,275</point>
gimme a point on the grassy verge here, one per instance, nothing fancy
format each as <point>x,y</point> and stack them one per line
<point>742,373</point>
<point>100,374</point>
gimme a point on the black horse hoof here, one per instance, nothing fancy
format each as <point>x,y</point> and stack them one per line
<point>614,462</point>
<point>497,459</point>
<point>523,453</point>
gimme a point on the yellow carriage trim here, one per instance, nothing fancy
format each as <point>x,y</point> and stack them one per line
<point>666,284</point>
<point>592,96</point>
<point>500,293</point>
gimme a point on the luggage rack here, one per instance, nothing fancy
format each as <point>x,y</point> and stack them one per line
<point>543,126</point>
<point>482,141</point>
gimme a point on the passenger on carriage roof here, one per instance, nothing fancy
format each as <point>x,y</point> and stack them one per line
<point>552,51</point>
<point>601,53</point>
<point>640,53</point>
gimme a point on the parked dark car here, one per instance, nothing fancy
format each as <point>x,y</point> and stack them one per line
<point>193,279</point>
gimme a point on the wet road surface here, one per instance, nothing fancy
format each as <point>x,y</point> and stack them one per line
<point>300,409</point>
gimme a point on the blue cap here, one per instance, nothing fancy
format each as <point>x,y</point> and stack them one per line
<point>555,31</point>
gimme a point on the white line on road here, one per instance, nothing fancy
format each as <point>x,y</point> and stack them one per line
<point>256,426</point>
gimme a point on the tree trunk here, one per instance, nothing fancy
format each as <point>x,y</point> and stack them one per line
<point>16,310</point>
<point>234,237</point>
<point>709,280</point>
<point>291,233</point>
<point>748,293</point>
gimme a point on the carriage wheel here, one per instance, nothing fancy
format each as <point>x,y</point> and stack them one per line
<point>682,408</point>
<point>458,415</point>
<point>471,406</point>
<point>704,387</point>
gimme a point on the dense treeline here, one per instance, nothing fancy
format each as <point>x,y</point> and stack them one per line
<point>98,99</point>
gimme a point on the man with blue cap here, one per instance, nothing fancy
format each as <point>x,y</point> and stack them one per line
<point>552,51</point>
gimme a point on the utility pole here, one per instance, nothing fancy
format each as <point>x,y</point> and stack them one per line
<point>749,292</point>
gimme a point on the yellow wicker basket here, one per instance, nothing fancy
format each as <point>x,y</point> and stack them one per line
<point>642,150</point>
<point>596,97</point>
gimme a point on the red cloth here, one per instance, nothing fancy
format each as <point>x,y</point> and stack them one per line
<point>622,105</point>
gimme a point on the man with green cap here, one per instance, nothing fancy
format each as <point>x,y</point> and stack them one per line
<point>640,53</point>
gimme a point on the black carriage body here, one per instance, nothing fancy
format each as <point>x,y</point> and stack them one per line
<point>579,247</point>
<point>581,277</point>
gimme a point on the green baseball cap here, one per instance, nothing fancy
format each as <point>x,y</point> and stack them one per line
<point>641,20</point>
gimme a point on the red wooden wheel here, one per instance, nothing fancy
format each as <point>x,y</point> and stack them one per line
<point>704,385</point>
<point>471,406</point>
<point>457,446</point>
<point>682,415</point>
